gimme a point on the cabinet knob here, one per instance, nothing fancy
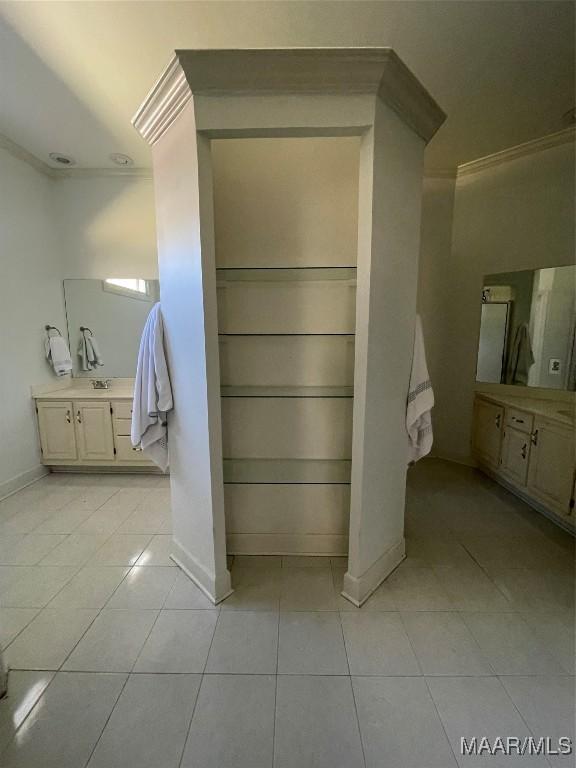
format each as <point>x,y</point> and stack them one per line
<point>68,416</point>
<point>534,437</point>
<point>498,420</point>
<point>79,417</point>
<point>524,450</point>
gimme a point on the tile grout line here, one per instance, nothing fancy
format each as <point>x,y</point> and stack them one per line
<point>339,613</point>
<point>202,675</point>
<point>276,688</point>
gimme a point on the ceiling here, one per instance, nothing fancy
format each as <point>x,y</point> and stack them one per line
<point>72,74</point>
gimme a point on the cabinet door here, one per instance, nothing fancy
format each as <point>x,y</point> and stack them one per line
<point>56,426</point>
<point>94,430</point>
<point>551,468</point>
<point>488,420</point>
<point>515,455</point>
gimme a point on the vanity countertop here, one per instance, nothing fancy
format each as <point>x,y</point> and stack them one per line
<point>556,410</point>
<point>115,392</point>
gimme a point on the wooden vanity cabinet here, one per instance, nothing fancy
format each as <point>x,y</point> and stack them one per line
<point>551,471</point>
<point>56,427</point>
<point>94,438</point>
<point>88,433</point>
<point>488,422</point>
<point>530,454</point>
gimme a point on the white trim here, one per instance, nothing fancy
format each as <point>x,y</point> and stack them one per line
<point>565,136</point>
<point>278,71</point>
<point>91,173</point>
<point>163,104</point>
<point>15,484</point>
<point>27,157</point>
<point>358,589</point>
<point>216,589</point>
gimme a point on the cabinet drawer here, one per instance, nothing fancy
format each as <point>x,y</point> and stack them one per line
<point>122,427</point>
<point>122,409</point>
<point>520,420</point>
<point>125,451</point>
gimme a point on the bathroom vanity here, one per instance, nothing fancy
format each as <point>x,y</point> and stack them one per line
<point>527,444</point>
<point>81,427</point>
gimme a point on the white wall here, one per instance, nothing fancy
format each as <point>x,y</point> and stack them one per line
<point>517,215</point>
<point>107,226</point>
<point>30,297</point>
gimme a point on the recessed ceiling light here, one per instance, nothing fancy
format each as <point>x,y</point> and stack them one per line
<point>58,157</point>
<point>120,159</point>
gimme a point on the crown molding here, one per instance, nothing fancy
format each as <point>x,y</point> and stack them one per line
<point>163,104</point>
<point>281,71</point>
<point>566,136</point>
<point>69,173</point>
<point>27,157</point>
<point>94,173</point>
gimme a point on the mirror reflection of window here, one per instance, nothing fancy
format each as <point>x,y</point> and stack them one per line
<point>129,286</point>
<point>528,328</point>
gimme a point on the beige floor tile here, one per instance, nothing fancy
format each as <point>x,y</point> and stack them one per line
<point>316,723</point>
<point>121,549</point>
<point>64,726</point>
<point>113,642</point>
<point>144,588</point>
<point>157,552</point>
<point>179,642</point>
<point>91,587</point>
<point>49,638</point>
<point>243,707</point>
<point>377,644</point>
<point>510,645</point>
<point>311,644</point>
<point>149,724</point>
<point>399,724</point>
<point>244,643</point>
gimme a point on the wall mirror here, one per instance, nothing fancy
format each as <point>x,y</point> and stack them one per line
<point>105,319</point>
<point>528,328</point>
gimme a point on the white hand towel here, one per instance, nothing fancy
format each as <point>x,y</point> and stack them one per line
<point>93,351</point>
<point>420,401</point>
<point>58,354</point>
<point>152,393</point>
<point>84,354</point>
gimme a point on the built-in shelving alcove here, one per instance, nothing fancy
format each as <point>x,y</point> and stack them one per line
<point>286,294</point>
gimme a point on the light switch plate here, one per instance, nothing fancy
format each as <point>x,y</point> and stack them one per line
<point>554,366</point>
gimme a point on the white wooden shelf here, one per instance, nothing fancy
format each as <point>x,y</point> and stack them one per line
<point>275,391</point>
<point>287,471</point>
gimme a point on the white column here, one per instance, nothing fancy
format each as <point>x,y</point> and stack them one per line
<point>391,163</point>
<point>184,215</point>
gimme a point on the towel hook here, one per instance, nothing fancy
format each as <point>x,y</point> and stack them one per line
<point>84,328</point>
<point>49,328</point>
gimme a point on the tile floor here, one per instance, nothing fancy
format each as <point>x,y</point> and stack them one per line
<point>118,660</point>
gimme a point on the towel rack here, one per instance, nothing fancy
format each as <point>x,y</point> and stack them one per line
<point>49,328</point>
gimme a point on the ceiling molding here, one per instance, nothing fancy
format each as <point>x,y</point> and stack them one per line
<point>278,71</point>
<point>565,136</point>
<point>22,154</point>
<point>93,173</point>
<point>163,104</point>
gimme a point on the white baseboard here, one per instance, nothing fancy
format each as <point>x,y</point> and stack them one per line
<point>358,589</point>
<point>8,487</point>
<point>215,587</point>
